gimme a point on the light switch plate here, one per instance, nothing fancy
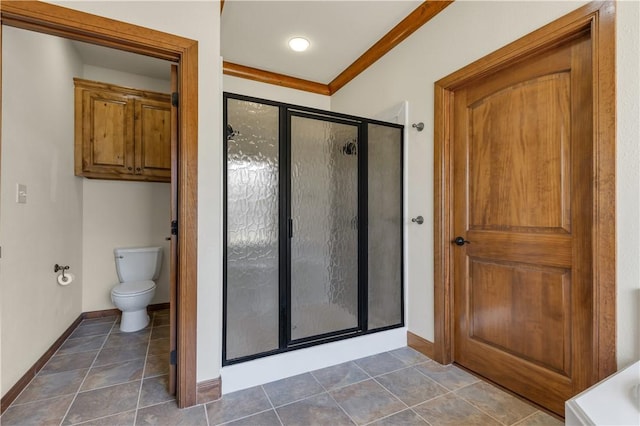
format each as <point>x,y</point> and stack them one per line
<point>21,193</point>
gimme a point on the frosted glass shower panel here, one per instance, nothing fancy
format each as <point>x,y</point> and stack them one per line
<point>252,311</point>
<point>324,211</point>
<point>385,225</point>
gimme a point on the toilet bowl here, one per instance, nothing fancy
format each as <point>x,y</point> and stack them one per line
<point>137,268</point>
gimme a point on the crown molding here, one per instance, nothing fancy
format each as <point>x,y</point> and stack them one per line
<point>269,77</point>
<point>420,16</point>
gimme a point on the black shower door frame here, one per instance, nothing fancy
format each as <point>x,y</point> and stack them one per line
<point>286,112</point>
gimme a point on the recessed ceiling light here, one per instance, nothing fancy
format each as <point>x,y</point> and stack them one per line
<point>299,44</point>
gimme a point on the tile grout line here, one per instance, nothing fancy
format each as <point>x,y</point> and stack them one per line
<point>272,406</point>
<point>332,398</point>
<point>99,418</point>
<point>477,407</point>
<point>144,367</point>
<point>87,374</point>
<point>525,418</point>
<point>206,414</point>
<point>245,417</point>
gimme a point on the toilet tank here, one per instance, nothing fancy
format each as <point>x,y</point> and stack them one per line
<point>138,264</point>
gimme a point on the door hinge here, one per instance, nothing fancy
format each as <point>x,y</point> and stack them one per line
<point>174,227</point>
<point>173,358</point>
<point>174,99</point>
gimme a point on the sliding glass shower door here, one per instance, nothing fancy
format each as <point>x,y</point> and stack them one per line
<point>324,226</point>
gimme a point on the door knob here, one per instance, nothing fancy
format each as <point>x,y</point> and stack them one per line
<point>461,241</point>
<point>419,220</point>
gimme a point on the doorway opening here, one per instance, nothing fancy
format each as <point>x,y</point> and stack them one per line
<point>74,25</point>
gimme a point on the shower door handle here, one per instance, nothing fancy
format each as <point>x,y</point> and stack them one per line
<point>290,228</point>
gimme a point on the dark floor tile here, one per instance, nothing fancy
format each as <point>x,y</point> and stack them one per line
<point>237,404</point>
<point>169,414</point>
<point>410,386</point>
<point>60,363</point>
<point>266,418</point>
<point>409,356</point>
<point>540,419</point>
<point>113,355</point>
<point>498,404</point>
<point>159,346</point>
<point>449,376</point>
<point>316,410</point>
<point>117,340</point>
<point>380,364</point>
<point>92,321</point>
<point>160,332</point>
<point>103,402</point>
<point>156,365</point>
<point>340,375</point>
<point>122,419</point>
<point>367,401</point>
<point>292,389</point>
<point>90,329</point>
<point>452,410</point>
<point>159,320</point>
<point>81,344</point>
<point>113,374</point>
<point>155,390</point>
<point>403,418</point>
<point>52,385</point>
<point>48,412</point>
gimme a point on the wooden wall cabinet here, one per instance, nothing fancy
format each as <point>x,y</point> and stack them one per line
<point>122,133</point>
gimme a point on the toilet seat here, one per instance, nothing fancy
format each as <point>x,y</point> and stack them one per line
<point>133,288</point>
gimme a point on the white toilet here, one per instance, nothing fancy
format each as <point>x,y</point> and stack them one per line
<point>137,268</point>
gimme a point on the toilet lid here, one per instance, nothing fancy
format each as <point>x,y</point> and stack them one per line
<point>132,288</point>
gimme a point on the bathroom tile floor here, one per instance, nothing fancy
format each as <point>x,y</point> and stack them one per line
<point>103,377</point>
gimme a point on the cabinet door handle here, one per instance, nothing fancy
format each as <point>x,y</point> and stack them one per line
<point>138,169</point>
<point>129,168</point>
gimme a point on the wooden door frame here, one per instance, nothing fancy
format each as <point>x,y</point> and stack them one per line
<point>599,19</point>
<point>68,23</point>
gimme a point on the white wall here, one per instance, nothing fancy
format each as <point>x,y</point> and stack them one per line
<point>241,86</point>
<point>463,32</point>
<point>122,214</point>
<point>127,79</point>
<point>37,80</point>
<point>198,20</point>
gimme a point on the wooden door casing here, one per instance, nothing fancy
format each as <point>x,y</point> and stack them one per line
<point>64,22</point>
<point>536,247</point>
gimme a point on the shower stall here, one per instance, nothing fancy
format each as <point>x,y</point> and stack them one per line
<point>313,227</point>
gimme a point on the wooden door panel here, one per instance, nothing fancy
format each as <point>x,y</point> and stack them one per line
<point>522,310</point>
<point>522,172</point>
<point>539,249</point>
<point>519,168</point>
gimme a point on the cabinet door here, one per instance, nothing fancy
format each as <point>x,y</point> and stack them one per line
<point>153,138</point>
<point>107,127</point>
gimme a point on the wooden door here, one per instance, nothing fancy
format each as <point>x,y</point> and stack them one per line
<point>107,132</point>
<point>523,167</point>
<point>153,138</point>
<point>173,257</point>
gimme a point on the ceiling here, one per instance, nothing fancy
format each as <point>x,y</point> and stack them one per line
<point>255,33</point>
